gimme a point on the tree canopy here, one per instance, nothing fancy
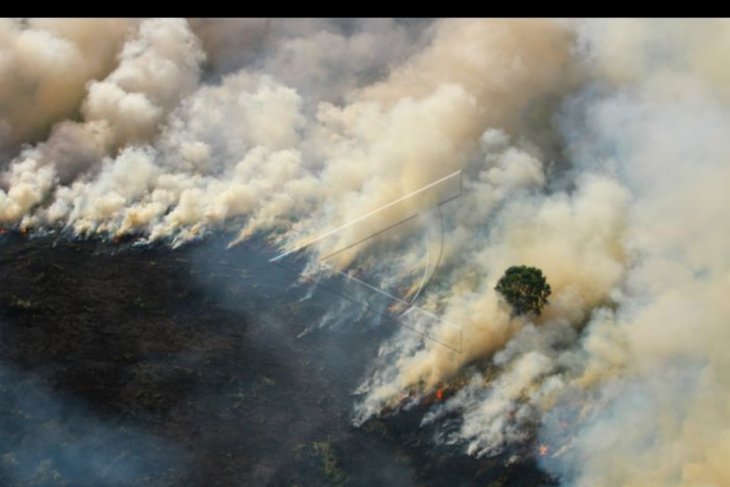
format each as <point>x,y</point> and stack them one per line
<point>525,289</point>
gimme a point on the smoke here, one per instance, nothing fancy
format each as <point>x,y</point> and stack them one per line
<point>595,151</point>
<point>49,439</point>
<point>325,58</point>
<point>657,392</point>
<point>45,66</point>
<point>156,68</point>
<point>637,397</point>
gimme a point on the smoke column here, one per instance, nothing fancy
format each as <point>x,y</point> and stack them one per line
<point>594,150</point>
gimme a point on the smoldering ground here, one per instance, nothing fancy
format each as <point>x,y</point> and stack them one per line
<point>135,365</point>
<point>594,150</point>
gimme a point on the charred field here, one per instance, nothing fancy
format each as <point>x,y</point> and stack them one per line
<point>146,365</point>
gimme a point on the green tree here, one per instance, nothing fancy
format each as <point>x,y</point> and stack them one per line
<point>525,289</point>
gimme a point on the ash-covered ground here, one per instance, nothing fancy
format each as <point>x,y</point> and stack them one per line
<point>203,366</point>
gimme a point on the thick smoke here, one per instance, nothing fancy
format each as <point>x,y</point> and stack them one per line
<point>595,151</point>
<point>156,67</point>
<point>45,66</point>
<point>652,387</point>
<point>325,59</point>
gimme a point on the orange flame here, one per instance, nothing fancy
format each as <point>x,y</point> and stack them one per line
<point>543,450</point>
<point>439,394</point>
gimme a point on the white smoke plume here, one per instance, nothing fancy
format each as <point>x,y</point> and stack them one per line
<point>595,151</point>
<point>157,66</point>
<point>44,67</point>
<point>655,394</point>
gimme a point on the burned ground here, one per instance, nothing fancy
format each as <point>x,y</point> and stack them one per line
<point>142,365</point>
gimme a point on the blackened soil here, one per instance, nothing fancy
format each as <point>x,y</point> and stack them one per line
<point>128,365</point>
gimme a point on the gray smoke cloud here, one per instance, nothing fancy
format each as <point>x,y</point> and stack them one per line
<point>594,150</point>
<point>325,58</point>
